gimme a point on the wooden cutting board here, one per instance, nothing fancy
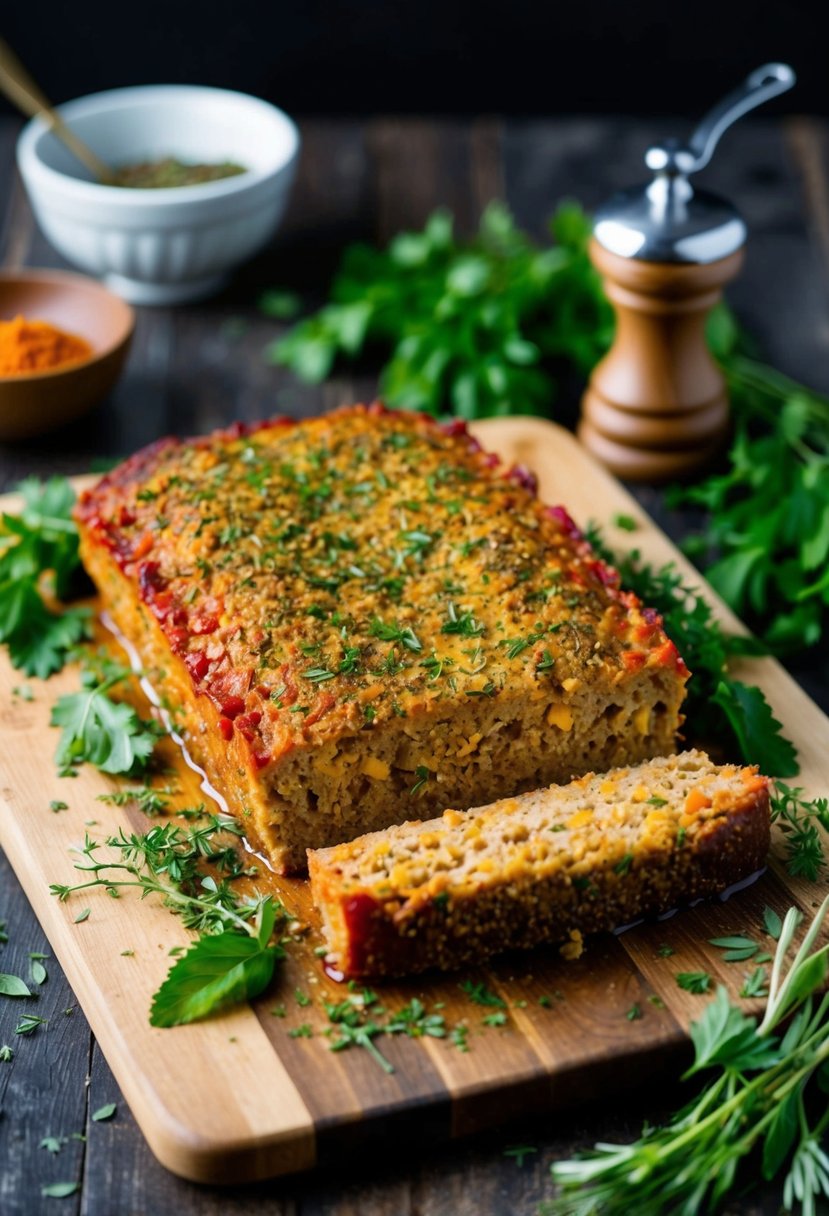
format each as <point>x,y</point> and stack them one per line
<point>236,1098</point>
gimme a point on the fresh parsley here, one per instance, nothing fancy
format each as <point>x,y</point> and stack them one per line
<point>100,731</point>
<point>39,549</point>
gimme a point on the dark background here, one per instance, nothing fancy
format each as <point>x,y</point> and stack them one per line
<point>433,56</point>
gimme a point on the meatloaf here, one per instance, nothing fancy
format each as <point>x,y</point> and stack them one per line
<point>558,862</point>
<point>361,618</point>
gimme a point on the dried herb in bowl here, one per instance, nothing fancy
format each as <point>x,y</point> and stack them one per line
<point>170,172</point>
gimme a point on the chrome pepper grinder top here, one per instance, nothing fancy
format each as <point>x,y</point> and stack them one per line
<point>656,406</point>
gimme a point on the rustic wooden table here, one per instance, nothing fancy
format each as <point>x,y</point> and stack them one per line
<point>197,367</point>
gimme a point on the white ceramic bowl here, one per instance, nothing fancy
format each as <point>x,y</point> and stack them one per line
<point>162,246</point>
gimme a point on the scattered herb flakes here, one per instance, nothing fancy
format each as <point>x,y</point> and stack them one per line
<point>6,1054</point>
<point>480,994</point>
<point>352,1027</point>
<point>59,1190</point>
<point>29,1023</point>
<point>301,998</point>
<point>697,982</point>
<point>772,923</point>
<point>737,948</point>
<point>755,984</point>
<point>52,1144</point>
<point>39,975</point>
<point>656,1001</point>
<point>655,800</point>
<point>4,937</point>
<point>56,805</point>
<point>665,951</point>
<point>127,953</point>
<point>626,522</point>
<point>520,1152</point>
<point>414,1020</point>
<point>458,1037</point>
<point>545,1002</point>
<point>499,1018</point>
<point>634,1013</point>
<point>279,1011</point>
<point>624,865</point>
<point>422,775</point>
<point>104,1112</point>
<point>82,916</point>
<point>23,692</point>
<point>12,985</point>
<point>303,1031</point>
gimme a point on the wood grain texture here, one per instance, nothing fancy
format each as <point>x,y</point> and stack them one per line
<point>236,1098</point>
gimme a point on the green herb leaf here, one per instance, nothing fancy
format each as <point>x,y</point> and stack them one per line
<point>104,1112</point>
<point>12,985</point>
<point>59,1190</point>
<point>216,972</point>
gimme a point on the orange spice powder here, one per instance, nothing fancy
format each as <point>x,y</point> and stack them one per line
<point>35,346</point>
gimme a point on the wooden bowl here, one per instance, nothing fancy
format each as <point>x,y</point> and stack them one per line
<point>35,402</point>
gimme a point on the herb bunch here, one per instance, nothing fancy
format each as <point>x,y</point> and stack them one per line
<point>766,541</point>
<point>766,1095</point>
<point>39,551</point>
<point>467,326</point>
<point>234,958</point>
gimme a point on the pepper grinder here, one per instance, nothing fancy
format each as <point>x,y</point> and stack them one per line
<point>656,406</point>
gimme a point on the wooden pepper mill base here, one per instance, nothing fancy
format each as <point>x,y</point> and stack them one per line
<point>656,406</point>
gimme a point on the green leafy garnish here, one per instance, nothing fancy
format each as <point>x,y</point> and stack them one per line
<point>12,985</point>
<point>100,731</point>
<point>766,1094</point>
<point>719,706</point>
<point>694,981</point>
<point>466,324</point>
<point>39,548</point>
<point>218,971</point>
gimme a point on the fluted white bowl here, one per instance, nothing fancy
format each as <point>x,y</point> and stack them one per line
<point>169,245</point>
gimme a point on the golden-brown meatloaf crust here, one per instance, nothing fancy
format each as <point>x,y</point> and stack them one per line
<point>360,618</point>
<point>595,854</point>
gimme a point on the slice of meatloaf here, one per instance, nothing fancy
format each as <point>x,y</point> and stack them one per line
<point>361,618</point>
<point>597,853</point>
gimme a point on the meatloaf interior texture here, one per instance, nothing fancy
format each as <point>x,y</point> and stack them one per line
<point>594,854</point>
<point>361,619</point>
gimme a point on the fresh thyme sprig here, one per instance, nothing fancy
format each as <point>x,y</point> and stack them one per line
<point>766,1073</point>
<point>234,958</point>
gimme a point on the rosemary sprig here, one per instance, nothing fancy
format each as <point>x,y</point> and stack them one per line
<point>760,1098</point>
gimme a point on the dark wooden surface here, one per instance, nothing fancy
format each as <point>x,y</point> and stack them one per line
<point>196,367</point>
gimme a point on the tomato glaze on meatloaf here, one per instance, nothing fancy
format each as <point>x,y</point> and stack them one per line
<point>361,619</point>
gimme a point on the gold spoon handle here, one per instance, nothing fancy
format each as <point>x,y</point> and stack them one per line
<point>23,92</point>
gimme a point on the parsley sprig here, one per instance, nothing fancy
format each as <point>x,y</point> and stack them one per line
<point>39,550</point>
<point>97,729</point>
<point>466,324</point>
<point>763,1074</point>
